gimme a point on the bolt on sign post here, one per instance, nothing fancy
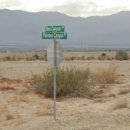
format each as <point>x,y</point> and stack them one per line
<point>54,52</point>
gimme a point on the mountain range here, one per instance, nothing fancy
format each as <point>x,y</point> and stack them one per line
<point>22,30</point>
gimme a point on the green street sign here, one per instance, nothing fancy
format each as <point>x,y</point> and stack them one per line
<point>46,35</point>
<point>55,28</point>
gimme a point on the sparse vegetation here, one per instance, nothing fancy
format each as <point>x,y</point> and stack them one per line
<point>82,57</point>
<point>8,58</point>
<point>124,91</point>
<point>18,56</point>
<point>18,103</point>
<point>103,56</point>
<point>75,58</point>
<point>106,76</point>
<point>91,58</point>
<point>70,82</point>
<point>36,57</point>
<point>121,55</point>
<point>20,98</point>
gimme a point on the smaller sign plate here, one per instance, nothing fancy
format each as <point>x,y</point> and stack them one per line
<point>54,35</point>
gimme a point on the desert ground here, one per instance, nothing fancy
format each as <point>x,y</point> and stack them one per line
<point>21,109</point>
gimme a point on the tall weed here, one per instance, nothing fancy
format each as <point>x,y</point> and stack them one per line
<point>108,75</point>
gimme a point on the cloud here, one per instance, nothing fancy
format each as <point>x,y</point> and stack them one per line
<point>89,8</point>
<point>7,4</point>
<point>75,8</point>
<point>82,8</point>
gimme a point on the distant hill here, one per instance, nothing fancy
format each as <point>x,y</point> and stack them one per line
<point>23,29</point>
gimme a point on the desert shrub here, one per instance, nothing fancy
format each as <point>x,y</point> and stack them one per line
<point>99,58</point>
<point>8,58</point>
<point>75,58</point>
<point>82,57</point>
<point>103,56</point>
<point>70,82</point>
<point>42,58</point>
<point>91,58</point>
<point>107,75</point>
<point>121,55</point>
<point>124,91</point>
<point>110,58</point>
<point>35,57</point>
<point>69,58</point>
<point>72,58</point>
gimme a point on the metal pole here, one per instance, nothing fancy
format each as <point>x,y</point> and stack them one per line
<point>54,72</point>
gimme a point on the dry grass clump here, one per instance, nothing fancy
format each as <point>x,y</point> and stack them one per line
<point>44,113</point>
<point>20,98</point>
<point>44,109</point>
<point>8,115</point>
<point>124,91</point>
<point>123,103</point>
<point>70,82</point>
<point>108,75</point>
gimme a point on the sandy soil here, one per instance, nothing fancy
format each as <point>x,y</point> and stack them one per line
<point>24,110</point>
<point>25,69</point>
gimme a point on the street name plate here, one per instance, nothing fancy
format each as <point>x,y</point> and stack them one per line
<point>55,28</point>
<point>54,35</point>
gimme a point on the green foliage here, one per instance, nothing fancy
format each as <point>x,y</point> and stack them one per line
<point>121,55</point>
<point>103,56</point>
<point>36,57</point>
<point>70,82</point>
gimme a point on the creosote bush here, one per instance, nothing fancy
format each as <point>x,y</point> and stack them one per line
<point>121,55</point>
<point>70,82</point>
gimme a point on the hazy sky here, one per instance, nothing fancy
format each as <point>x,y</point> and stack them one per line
<point>82,8</point>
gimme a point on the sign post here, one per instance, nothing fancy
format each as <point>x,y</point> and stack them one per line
<point>54,52</point>
<point>54,72</point>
